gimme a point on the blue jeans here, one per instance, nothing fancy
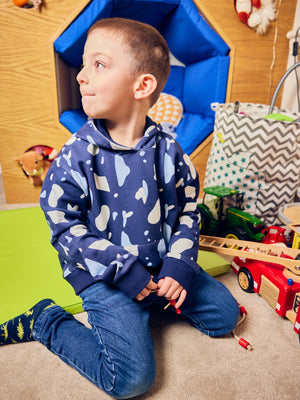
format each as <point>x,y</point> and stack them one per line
<point>117,353</point>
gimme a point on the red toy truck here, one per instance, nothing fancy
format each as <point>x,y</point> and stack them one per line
<point>273,271</point>
<point>275,283</point>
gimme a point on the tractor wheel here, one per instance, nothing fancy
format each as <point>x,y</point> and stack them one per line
<point>245,280</point>
<point>204,221</point>
<point>237,234</point>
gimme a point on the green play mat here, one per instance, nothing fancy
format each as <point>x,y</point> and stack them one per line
<point>30,270</point>
<point>29,266</point>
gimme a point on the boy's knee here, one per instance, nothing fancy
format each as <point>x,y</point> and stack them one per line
<point>134,382</point>
<point>139,383</point>
<point>221,316</point>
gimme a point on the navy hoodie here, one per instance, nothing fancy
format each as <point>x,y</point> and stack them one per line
<point>119,214</point>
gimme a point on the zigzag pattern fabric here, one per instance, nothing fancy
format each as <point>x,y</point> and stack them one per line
<point>258,156</point>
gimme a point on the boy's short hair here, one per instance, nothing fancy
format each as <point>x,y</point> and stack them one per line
<point>149,49</point>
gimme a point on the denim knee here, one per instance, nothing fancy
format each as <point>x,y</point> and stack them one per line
<point>210,307</point>
<point>135,382</point>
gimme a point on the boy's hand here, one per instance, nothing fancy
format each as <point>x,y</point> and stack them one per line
<point>171,290</point>
<point>150,287</point>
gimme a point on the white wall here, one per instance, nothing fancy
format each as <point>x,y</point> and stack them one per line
<point>289,93</point>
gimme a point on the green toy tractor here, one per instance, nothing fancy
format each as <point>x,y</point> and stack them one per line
<point>232,223</point>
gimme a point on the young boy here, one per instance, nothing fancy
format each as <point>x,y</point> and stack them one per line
<point>121,203</point>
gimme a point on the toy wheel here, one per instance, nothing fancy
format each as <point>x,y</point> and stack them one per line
<point>245,280</point>
<point>236,234</point>
<point>204,222</point>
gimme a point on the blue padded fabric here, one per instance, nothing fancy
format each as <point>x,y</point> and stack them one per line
<point>174,84</point>
<point>152,12</point>
<point>205,82</point>
<point>73,119</point>
<point>192,130</point>
<point>189,37</point>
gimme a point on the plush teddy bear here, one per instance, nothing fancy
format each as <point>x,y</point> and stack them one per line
<point>36,162</point>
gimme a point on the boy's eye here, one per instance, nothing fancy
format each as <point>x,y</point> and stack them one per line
<point>99,64</point>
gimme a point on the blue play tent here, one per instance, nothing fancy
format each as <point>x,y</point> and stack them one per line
<point>197,81</point>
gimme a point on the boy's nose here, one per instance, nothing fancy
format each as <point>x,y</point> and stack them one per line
<point>81,76</point>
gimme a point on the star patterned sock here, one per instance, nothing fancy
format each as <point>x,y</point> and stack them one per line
<point>19,329</point>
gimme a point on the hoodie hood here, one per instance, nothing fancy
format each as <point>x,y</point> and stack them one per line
<point>99,136</point>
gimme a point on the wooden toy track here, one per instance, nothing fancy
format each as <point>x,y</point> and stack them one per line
<point>275,254</point>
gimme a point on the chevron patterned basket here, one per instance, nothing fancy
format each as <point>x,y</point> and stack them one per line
<point>260,157</point>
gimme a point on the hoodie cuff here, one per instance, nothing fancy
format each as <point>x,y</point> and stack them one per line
<point>177,270</point>
<point>134,281</point>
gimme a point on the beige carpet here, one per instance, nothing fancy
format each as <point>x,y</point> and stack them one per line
<point>190,365</point>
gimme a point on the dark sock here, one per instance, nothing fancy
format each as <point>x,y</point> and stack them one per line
<point>20,329</point>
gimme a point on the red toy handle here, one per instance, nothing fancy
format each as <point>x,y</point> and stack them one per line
<point>173,302</point>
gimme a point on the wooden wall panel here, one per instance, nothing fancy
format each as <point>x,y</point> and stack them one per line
<point>28,104</point>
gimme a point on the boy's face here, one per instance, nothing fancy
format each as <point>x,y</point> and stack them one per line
<point>106,84</point>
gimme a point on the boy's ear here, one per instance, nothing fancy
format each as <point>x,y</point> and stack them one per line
<point>145,86</point>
